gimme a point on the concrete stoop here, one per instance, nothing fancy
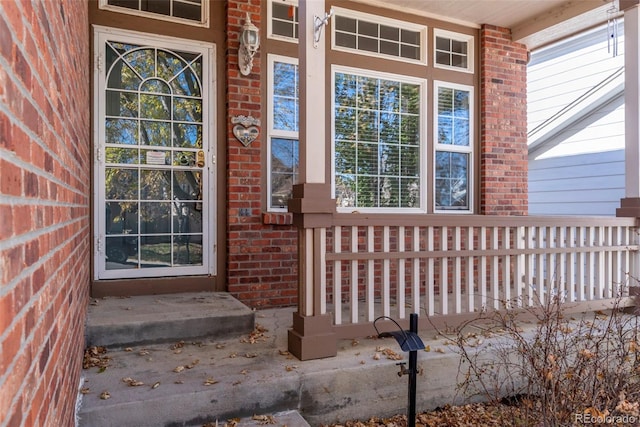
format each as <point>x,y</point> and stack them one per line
<point>126,321</point>
<point>190,383</point>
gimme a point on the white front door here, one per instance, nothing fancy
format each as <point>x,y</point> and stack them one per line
<point>154,163</point>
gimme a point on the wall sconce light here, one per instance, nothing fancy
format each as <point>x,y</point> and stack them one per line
<point>249,44</point>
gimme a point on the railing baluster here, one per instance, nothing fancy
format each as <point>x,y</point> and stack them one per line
<point>337,276</point>
<point>570,259</point>
<point>519,280</point>
<point>401,275</point>
<point>322,264</point>
<point>370,275</point>
<point>469,273</point>
<point>581,263</point>
<point>457,276</point>
<point>495,269</point>
<point>444,269</point>
<point>415,283</point>
<point>429,275</point>
<point>506,267</point>
<point>529,277</point>
<point>482,267</point>
<point>354,276</point>
<point>386,292</point>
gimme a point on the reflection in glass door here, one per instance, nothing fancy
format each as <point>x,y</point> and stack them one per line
<point>154,197</point>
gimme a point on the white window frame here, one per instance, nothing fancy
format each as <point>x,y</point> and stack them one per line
<point>270,34</point>
<point>204,18</point>
<point>422,131</point>
<point>422,29</point>
<point>465,38</point>
<point>437,84</point>
<point>276,133</point>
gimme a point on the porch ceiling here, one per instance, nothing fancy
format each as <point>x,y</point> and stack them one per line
<point>533,22</point>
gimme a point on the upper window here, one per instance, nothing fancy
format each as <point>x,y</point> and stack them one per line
<point>378,36</point>
<point>453,50</point>
<point>283,156</point>
<point>192,12</point>
<point>377,141</point>
<point>453,146</point>
<point>283,19</point>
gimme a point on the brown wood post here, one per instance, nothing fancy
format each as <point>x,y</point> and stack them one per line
<point>312,336</point>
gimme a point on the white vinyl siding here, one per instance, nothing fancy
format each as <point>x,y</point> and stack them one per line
<point>584,184</point>
<point>577,168</point>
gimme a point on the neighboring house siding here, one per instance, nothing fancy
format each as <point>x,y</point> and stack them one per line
<point>584,184</point>
<point>576,127</point>
<point>44,209</point>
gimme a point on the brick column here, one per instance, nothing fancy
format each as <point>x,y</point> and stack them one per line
<point>503,124</point>
<point>261,246</point>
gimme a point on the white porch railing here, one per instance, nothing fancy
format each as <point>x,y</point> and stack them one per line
<point>444,267</point>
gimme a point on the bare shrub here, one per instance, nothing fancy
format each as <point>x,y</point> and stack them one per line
<point>554,365</point>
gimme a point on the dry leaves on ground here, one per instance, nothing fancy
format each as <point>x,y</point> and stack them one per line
<point>452,416</point>
<point>94,357</point>
<point>257,335</point>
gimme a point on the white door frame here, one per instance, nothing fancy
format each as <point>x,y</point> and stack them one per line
<point>209,193</point>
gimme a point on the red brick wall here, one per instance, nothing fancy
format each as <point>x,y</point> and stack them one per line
<point>262,247</point>
<point>503,123</point>
<point>44,209</point>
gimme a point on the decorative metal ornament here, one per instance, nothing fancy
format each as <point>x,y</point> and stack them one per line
<point>245,129</point>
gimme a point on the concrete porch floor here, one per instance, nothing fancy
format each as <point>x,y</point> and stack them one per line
<point>194,382</point>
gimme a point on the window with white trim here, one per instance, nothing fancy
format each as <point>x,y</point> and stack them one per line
<point>282,21</point>
<point>377,141</point>
<point>192,12</point>
<point>453,146</point>
<point>378,36</point>
<point>453,50</point>
<point>283,154</point>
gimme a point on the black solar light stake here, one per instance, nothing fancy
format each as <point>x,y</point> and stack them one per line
<point>411,342</point>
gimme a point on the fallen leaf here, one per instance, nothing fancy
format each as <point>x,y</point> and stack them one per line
<point>85,390</point>
<point>251,355</point>
<point>192,364</point>
<point>290,368</point>
<point>131,382</point>
<point>177,345</point>
<point>178,369</point>
<point>155,385</point>
<point>210,381</point>
<point>105,395</point>
<point>264,419</point>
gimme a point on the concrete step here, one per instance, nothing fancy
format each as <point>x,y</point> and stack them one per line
<point>196,383</point>
<point>119,322</point>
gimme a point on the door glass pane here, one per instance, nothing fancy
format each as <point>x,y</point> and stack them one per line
<point>121,131</point>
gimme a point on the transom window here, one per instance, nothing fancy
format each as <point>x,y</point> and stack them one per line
<point>283,107</point>
<point>193,12</point>
<point>377,140</point>
<point>375,35</point>
<point>453,50</point>
<point>283,19</point>
<point>454,147</point>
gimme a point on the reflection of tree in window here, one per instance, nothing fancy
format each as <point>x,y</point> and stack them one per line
<point>452,168</point>
<point>284,156</point>
<point>153,105</point>
<point>377,142</point>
